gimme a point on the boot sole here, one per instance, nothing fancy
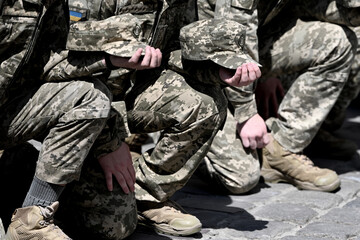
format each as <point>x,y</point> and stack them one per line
<point>166,229</point>
<point>274,176</point>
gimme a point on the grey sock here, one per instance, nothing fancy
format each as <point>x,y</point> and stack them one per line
<point>42,193</point>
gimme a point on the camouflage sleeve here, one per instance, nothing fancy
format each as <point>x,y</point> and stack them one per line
<point>242,99</point>
<point>72,64</point>
<point>241,11</point>
<point>114,132</point>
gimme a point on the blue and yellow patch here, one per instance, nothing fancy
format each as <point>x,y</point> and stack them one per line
<point>75,16</point>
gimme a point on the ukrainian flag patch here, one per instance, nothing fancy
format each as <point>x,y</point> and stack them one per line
<point>75,16</point>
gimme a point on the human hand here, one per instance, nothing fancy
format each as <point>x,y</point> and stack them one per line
<point>119,164</point>
<point>244,75</point>
<point>253,132</point>
<point>267,96</point>
<point>151,59</point>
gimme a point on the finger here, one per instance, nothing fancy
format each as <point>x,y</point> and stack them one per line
<point>132,172</point>
<point>129,180</point>
<point>146,60</point>
<point>245,142</point>
<point>256,70</point>
<point>244,76</point>
<point>136,57</point>
<point>120,179</point>
<point>154,58</point>
<point>266,139</point>
<point>253,143</point>
<point>251,70</point>
<point>109,183</point>
<point>236,78</point>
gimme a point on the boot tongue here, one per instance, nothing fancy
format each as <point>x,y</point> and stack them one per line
<point>48,212</point>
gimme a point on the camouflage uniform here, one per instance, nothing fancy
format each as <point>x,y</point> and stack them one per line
<point>66,115</point>
<point>298,51</point>
<point>68,121</point>
<point>165,99</point>
<point>291,132</point>
<point>228,164</point>
<point>346,13</point>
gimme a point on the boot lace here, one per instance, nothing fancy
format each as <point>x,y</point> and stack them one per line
<point>48,221</point>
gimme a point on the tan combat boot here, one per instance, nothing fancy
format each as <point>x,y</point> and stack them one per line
<point>280,165</point>
<point>35,222</point>
<point>168,218</point>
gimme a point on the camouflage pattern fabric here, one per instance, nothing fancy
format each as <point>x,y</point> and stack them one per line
<point>318,57</point>
<point>188,114</point>
<point>227,165</point>
<point>219,40</point>
<point>243,12</point>
<point>349,93</point>
<point>23,53</point>
<point>241,99</point>
<point>68,121</point>
<point>346,13</point>
<point>86,219</point>
<point>90,211</point>
<point>116,35</point>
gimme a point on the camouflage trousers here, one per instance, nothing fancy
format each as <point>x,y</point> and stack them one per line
<point>187,119</point>
<point>332,12</point>
<point>313,61</point>
<point>228,165</point>
<point>188,115</point>
<point>67,117</point>
<point>89,210</point>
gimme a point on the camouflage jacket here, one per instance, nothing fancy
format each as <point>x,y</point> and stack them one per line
<point>155,23</point>
<point>31,31</point>
<point>242,99</point>
<point>97,26</point>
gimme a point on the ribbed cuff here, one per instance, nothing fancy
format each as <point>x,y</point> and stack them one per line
<point>42,193</point>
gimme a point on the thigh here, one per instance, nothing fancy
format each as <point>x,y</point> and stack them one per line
<point>31,114</point>
<point>299,47</point>
<point>172,103</point>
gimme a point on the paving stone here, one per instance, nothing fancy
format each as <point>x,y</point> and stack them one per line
<point>342,216</point>
<point>353,204</point>
<point>354,176</point>
<point>305,238</point>
<point>329,230</point>
<point>294,213</point>
<point>313,199</point>
<point>271,230</point>
<point>349,189</point>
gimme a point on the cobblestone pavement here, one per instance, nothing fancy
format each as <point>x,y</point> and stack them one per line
<point>278,211</point>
